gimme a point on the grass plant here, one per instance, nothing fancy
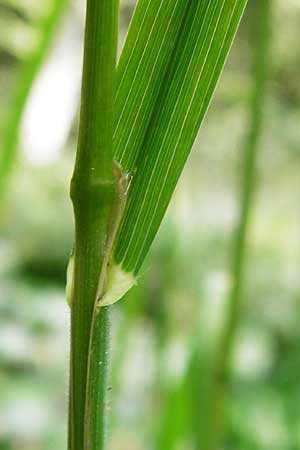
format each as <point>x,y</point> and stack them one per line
<point>137,126</point>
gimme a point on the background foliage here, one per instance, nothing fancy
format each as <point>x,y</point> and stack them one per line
<point>167,328</point>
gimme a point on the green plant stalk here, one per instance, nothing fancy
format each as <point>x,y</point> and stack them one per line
<point>172,421</point>
<point>92,193</point>
<point>23,83</point>
<point>97,386</point>
<point>209,368</point>
<point>261,26</point>
<point>205,412</point>
<point>261,57</point>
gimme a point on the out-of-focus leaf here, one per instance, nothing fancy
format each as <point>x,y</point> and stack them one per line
<point>25,76</point>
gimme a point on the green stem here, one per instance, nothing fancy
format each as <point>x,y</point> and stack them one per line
<point>212,365</point>
<point>24,79</point>
<point>92,193</point>
<point>261,25</point>
<point>96,404</point>
<point>261,55</point>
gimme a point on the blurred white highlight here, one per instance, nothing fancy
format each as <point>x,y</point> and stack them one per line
<point>54,98</point>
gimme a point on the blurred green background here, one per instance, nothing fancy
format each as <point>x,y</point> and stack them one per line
<point>166,331</point>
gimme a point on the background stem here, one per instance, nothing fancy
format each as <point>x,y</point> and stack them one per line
<point>213,367</point>
<point>261,28</point>
<point>92,192</point>
<point>261,36</point>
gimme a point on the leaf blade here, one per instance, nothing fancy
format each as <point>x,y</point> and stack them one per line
<point>179,103</point>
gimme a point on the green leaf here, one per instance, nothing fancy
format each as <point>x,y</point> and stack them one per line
<point>173,56</point>
<point>24,78</point>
